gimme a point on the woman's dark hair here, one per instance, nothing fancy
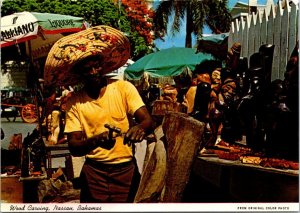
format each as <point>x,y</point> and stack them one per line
<point>227,73</point>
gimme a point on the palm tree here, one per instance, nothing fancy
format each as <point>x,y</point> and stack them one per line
<point>213,13</point>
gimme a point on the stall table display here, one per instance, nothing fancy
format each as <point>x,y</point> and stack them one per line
<point>30,187</point>
<point>11,189</point>
<point>250,181</point>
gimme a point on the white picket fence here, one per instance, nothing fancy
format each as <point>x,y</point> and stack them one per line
<point>280,28</point>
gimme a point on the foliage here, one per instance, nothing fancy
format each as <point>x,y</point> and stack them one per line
<point>213,13</point>
<point>141,24</point>
<point>219,22</point>
<point>95,12</point>
<point>140,17</point>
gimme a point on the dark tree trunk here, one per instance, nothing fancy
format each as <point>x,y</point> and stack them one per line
<point>189,27</point>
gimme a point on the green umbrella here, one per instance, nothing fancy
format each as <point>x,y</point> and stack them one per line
<point>167,62</point>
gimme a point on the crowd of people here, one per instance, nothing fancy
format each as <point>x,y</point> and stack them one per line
<point>205,93</point>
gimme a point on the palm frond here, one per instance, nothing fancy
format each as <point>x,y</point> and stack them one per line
<point>213,13</point>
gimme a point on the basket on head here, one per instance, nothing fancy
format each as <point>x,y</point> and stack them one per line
<point>110,43</point>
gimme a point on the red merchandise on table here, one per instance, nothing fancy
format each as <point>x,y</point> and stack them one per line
<point>234,152</point>
<point>279,163</point>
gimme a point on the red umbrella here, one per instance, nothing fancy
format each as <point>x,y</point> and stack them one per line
<point>41,30</point>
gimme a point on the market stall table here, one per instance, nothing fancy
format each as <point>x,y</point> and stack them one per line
<point>11,189</point>
<point>30,187</point>
<point>248,182</point>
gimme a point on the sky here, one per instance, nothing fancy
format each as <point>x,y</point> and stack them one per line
<point>179,39</point>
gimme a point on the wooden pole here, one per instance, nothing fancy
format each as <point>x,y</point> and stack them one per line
<point>36,90</point>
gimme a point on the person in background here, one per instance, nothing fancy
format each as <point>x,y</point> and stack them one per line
<point>204,79</point>
<point>199,98</point>
<point>222,114</point>
<point>169,93</point>
<point>2,134</point>
<point>49,106</point>
<point>216,82</point>
<point>183,83</point>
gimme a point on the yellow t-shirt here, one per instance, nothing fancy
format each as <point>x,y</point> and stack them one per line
<point>88,115</point>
